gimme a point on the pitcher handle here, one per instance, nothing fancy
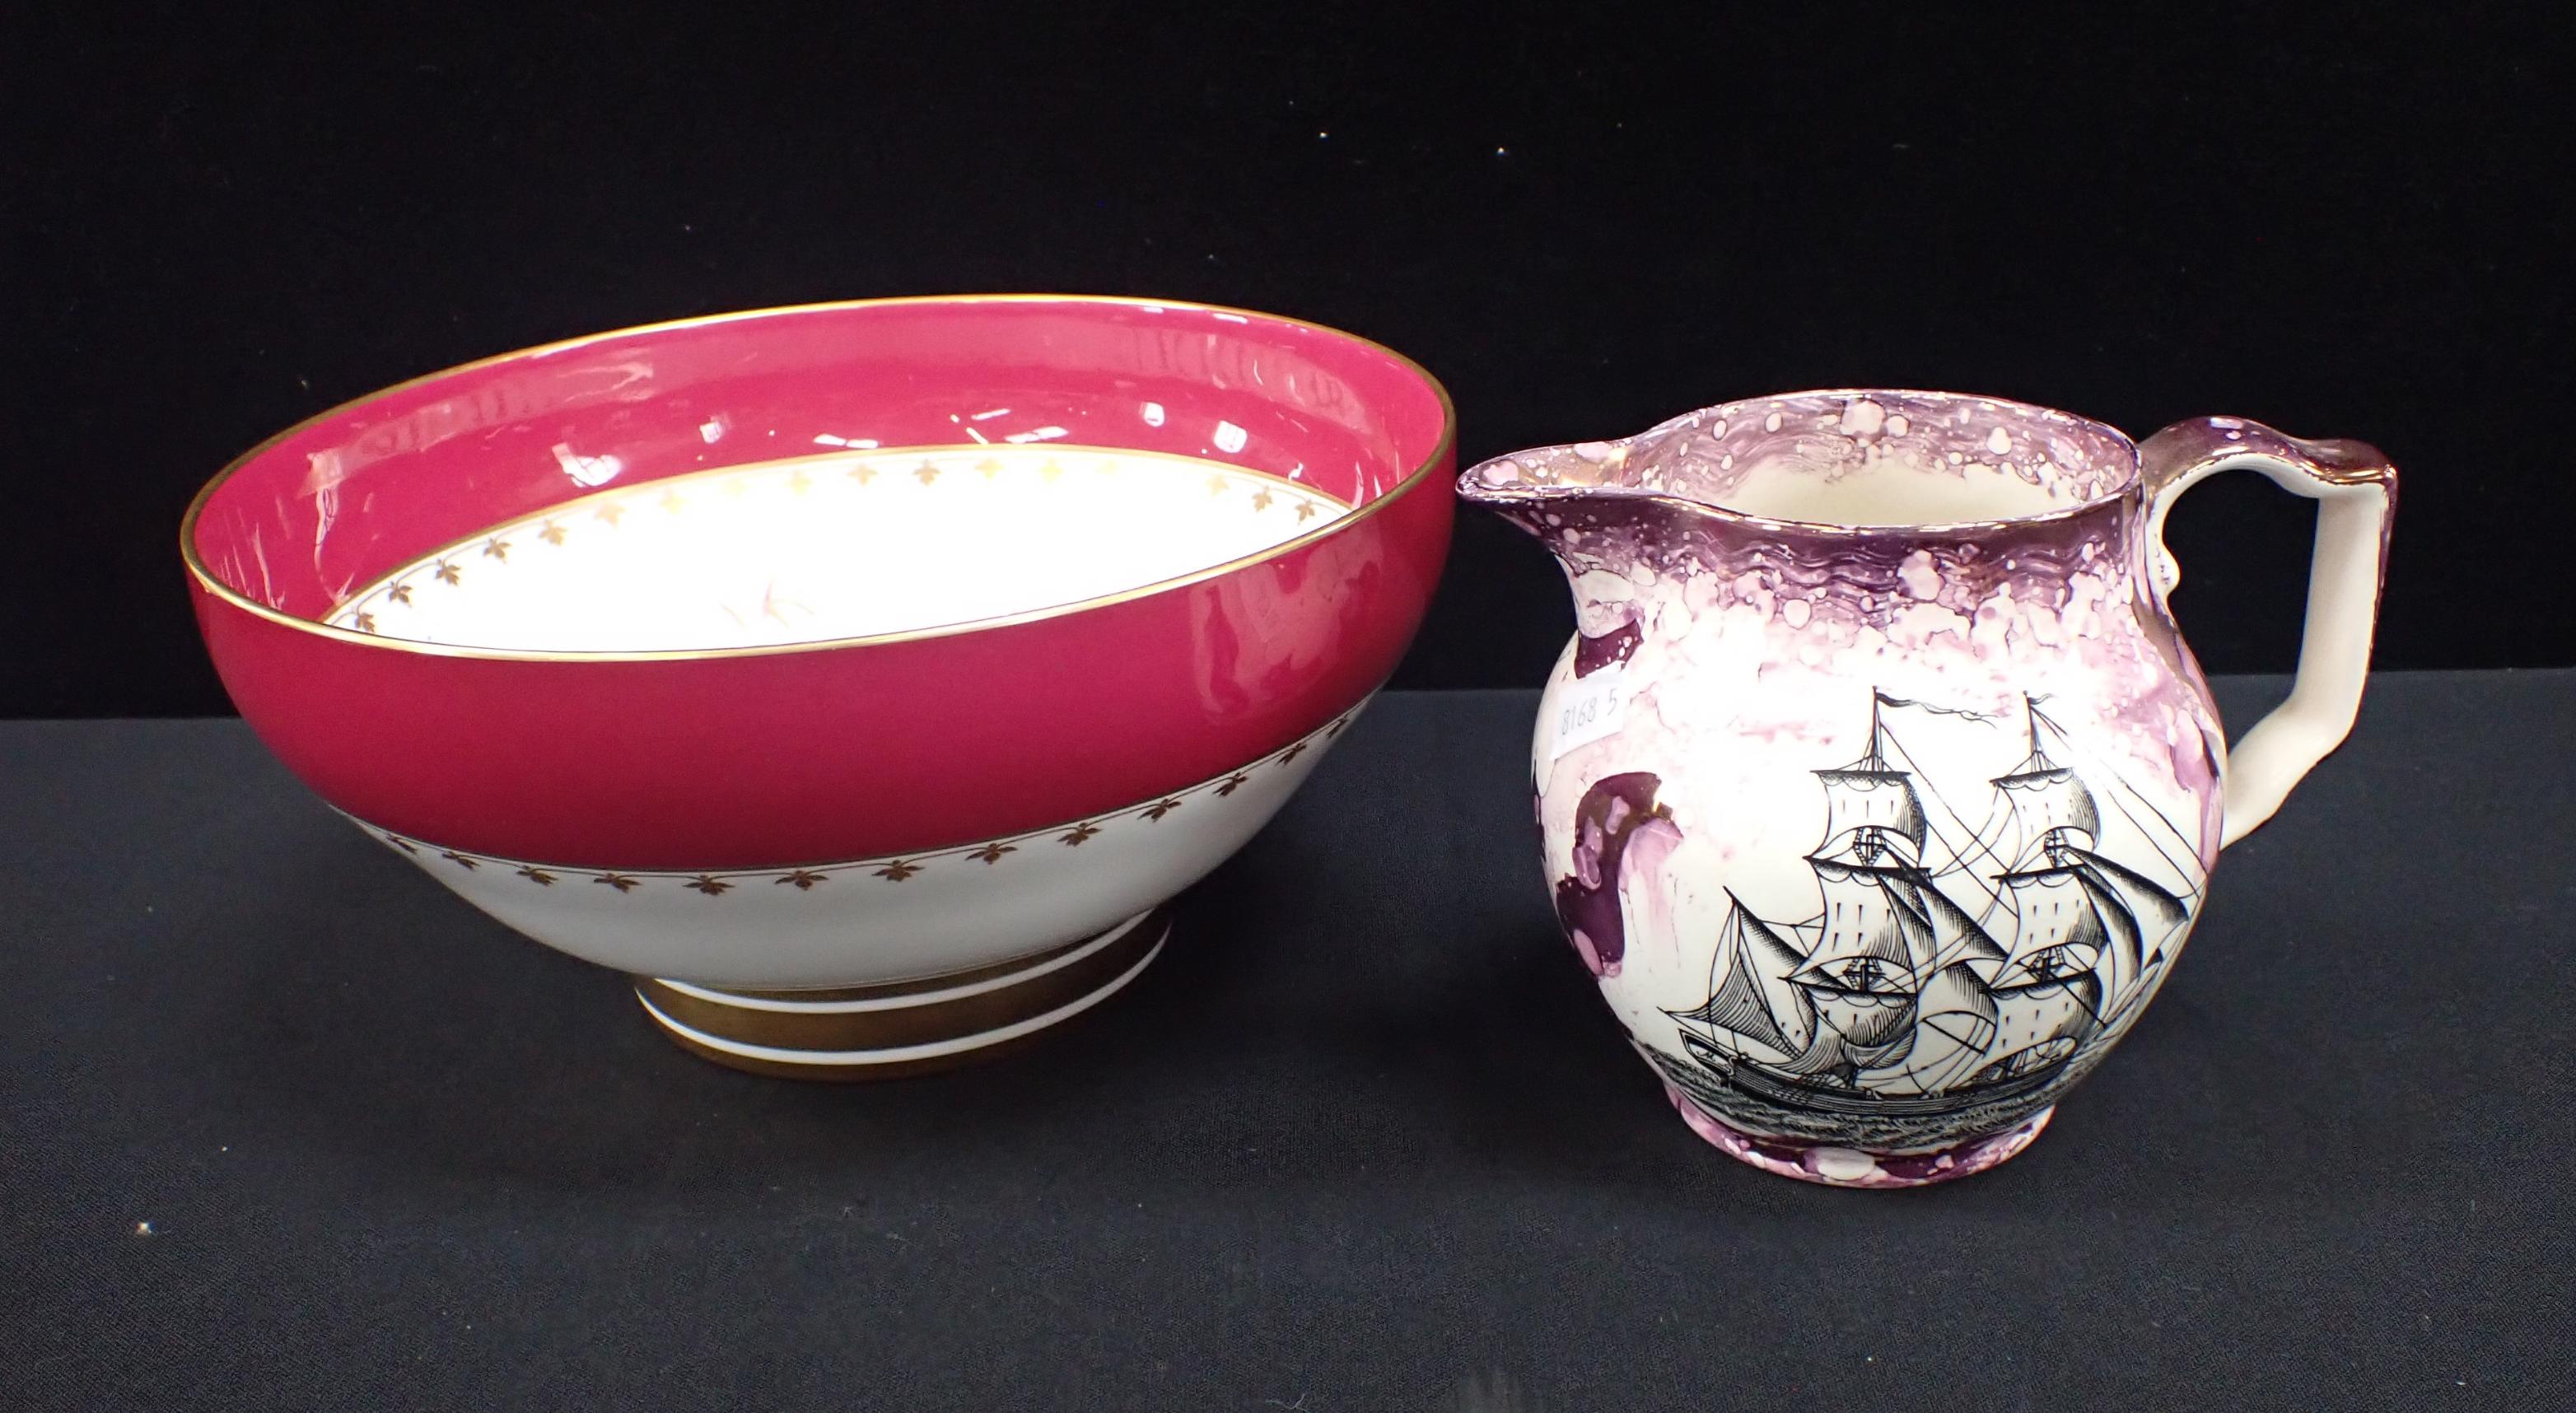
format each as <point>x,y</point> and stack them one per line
<point>2356,493</point>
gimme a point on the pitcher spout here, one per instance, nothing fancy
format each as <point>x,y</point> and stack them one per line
<point>1564,494</point>
<point>1541,472</point>
<point>1584,502</point>
<point>1514,485</point>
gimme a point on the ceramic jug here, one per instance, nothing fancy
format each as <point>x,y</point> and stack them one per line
<point>1877,787</point>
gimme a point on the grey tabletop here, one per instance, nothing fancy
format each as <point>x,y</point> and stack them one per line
<point>283,1124</point>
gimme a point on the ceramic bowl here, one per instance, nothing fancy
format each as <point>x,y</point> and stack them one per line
<point>865,677</point>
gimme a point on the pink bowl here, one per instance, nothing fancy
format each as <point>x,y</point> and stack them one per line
<point>787,757</point>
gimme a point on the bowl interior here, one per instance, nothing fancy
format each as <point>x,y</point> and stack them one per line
<point>857,544</point>
<point>817,474</point>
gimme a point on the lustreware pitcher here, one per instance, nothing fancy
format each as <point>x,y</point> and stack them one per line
<point>1877,786</point>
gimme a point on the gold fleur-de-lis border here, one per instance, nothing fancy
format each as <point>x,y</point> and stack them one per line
<point>384,606</point>
<point>893,869</point>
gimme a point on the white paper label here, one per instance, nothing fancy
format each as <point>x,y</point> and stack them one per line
<point>1589,708</point>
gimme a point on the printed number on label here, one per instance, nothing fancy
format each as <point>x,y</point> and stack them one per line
<point>1588,709</point>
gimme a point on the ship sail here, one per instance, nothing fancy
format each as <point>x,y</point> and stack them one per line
<point>1855,1031</point>
<point>2048,803</point>
<point>1866,1020</point>
<point>1750,952</point>
<point>1867,941</point>
<point>1824,1057</point>
<point>1858,922</point>
<point>2061,928</point>
<point>1870,807</point>
<point>1884,1056</point>
<point>2052,809</point>
<point>1955,935</point>
<point>1959,1021</point>
<point>2123,957</point>
<point>1789,1005</point>
<point>2156,908</point>
<point>1867,811</point>
<point>2041,1023</point>
<point>1738,1008</point>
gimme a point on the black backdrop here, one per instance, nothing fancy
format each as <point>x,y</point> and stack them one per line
<point>1584,219</point>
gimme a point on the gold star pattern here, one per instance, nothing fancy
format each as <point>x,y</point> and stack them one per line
<point>398,593</point>
<point>1049,471</point>
<point>1294,751</point>
<point>447,573</point>
<point>611,513</point>
<point>366,622</point>
<point>992,853</point>
<point>928,473</point>
<point>401,843</point>
<point>618,881</point>
<point>1336,728</point>
<point>497,548</point>
<point>1216,485</point>
<point>1305,510</point>
<point>989,467</point>
<point>863,473</point>
<point>460,860</point>
<point>798,483</point>
<point>712,886</point>
<point>804,879</point>
<point>1261,499</point>
<point>1232,784</point>
<point>1072,838</point>
<point>1161,808</point>
<point>898,870</point>
<point>536,875</point>
<point>551,533</point>
<point>671,502</point>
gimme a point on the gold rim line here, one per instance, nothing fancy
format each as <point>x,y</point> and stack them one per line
<point>1440,450</point>
<point>579,503</point>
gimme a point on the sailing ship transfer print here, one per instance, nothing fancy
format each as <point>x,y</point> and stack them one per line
<point>1962,966</point>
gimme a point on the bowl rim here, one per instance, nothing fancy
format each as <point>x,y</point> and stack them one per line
<point>225,593</point>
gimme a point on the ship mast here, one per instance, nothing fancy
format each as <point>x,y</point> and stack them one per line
<point>2060,929</point>
<point>1875,938</point>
